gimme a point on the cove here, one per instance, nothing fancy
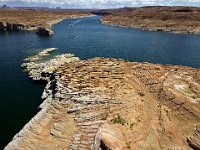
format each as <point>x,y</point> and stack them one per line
<point>86,38</point>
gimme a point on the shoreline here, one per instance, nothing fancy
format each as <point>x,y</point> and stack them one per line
<point>46,31</point>
<point>41,27</point>
<point>162,29</point>
<point>84,102</point>
<point>43,117</point>
<point>177,19</point>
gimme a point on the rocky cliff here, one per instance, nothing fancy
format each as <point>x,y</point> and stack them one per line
<point>35,20</point>
<point>5,26</point>
<point>105,103</point>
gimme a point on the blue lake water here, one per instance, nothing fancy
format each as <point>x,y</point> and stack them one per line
<point>86,38</point>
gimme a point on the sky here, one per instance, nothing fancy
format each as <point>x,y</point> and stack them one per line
<point>99,3</point>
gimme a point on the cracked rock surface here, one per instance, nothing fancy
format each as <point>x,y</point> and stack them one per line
<point>105,103</point>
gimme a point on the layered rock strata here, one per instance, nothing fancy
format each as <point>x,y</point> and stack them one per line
<point>156,18</point>
<point>39,21</point>
<point>105,103</point>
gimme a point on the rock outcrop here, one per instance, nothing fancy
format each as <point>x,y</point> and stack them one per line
<point>105,103</point>
<point>41,54</point>
<point>12,27</point>
<point>39,21</point>
<point>2,26</point>
<point>44,31</point>
<point>15,27</point>
<point>194,141</point>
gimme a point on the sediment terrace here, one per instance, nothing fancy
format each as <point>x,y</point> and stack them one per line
<point>40,21</point>
<point>105,103</point>
<point>156,18</point>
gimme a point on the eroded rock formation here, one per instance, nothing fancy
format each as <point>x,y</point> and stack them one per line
<point>105,103</point>
<point>44,31</point>
<point>39,21</point>
<point>2,26</point>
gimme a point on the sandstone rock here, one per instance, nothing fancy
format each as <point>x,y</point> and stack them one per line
<point>94,104</point>
<point>44,31</point>
<point>39,21</point>
<point>155,19</point>
<point>15,27</point>
<point>194,141</point>
<point>41,54</point>
<point>110,137</point>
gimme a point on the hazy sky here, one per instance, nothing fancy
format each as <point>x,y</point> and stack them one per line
<point>98,3</point>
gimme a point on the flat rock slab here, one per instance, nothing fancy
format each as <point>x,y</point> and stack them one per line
<point>108,103</point>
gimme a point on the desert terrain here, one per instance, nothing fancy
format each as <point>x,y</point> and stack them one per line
<point>169,19</point>
<point>105,103</point>
<point>40,21</point>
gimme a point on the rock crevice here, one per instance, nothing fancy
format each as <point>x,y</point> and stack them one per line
<point>114,104</point>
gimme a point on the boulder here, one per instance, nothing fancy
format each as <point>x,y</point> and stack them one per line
<point>110,137</point>
<point>44,31</point>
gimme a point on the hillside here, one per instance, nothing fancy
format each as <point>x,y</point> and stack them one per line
<point>169,19</point>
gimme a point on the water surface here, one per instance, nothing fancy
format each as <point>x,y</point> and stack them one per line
<point>86,38</point>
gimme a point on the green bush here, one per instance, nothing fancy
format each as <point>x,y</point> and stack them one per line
<point>118,120</point>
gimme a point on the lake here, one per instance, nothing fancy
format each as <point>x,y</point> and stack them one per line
<point>86,38</point>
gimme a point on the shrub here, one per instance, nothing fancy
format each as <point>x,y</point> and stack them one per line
<point>141,93</point>
<point>118,120</point>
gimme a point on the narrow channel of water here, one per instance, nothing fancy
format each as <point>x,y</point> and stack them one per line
<point>86,38</point>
